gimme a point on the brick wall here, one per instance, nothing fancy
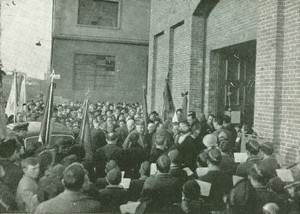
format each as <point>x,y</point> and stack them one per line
<point>131,69</point>
<point>277,76</point>
<point>174,19</point>
<point>274,24</point>
<point>230,22</point>
<point>181,63</point>
<point>290,95</point>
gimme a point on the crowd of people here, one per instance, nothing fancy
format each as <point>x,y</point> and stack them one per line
<point>184,164</point>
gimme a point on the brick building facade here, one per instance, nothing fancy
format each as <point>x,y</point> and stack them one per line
<point>239,57</point>
<point>101,46</point>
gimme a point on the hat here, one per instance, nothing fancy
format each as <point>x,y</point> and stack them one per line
<point>191,190</point>
<point>242,195</point>
<point>145,168</point>
<point>225,146</point>
<point>210,140</point>
<point>68,160</point>
<point>192,113</point>
<point>276,184</point>
<point>252,145</point>
<point>214,156</point>
<point>271,208</point>
<point>114,176</point>
<point>267,148</point>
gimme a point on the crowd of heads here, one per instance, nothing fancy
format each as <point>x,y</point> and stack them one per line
<point>181,148</point>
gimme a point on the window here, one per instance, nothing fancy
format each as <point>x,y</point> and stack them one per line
<point>102,13</point>
<point>96,72</point>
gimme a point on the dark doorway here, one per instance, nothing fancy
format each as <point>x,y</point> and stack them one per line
<point>236,82</point>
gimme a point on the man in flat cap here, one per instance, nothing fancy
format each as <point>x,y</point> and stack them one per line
<point>269,162</point>
<point>253,148</point>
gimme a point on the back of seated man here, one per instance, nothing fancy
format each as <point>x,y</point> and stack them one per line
<point>101,183</point>
<point>72,200</point>
<point>136,185</point>
<point>226,147</point>
<point>269,163</point>
<point>106,153</point>
<point>159,148</point>
<point>176,168</point>
<point>161,190</point>
<point>113,195</point>
<point>252,147</point>
<point>258,179</point>
<point>220,182</point>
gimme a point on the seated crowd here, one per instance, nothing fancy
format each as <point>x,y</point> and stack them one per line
<point>181,165</point>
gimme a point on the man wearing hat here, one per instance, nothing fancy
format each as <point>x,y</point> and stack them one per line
<point>221,183</point>
<point>252,147</point>
<point>20,129</point>
<point>136,138</point>
<point>269,162</point>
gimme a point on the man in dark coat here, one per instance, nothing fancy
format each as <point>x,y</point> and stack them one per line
<point>13,171</point>
<point>269,163</point>
<point>7,199</point>
<point>176,169</point>
<point>252,148</point>
<point>122,133</point>
<point>136,138</point>
<point>220,182</point>
<point>71,200</point>
<point>106,153</point>
<point>113,195</point>
<point>228,126</point>
<point>161,190</point>
<point>258,180</point>
<point>158,150</point>
<point>136,185</point>
<point>98,138</point>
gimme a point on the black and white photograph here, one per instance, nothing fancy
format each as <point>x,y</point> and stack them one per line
<point>150,106</point>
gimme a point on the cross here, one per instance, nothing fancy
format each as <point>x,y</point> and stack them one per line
<point>54,76</point>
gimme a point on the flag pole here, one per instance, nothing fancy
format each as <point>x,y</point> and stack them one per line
<point>85,110</point>
<point>48,125</point>
<point>145,107</point>
<point>16,96</point>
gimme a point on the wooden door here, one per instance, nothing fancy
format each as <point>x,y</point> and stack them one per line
<point>236,81</point>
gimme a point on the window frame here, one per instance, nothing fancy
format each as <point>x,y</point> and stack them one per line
<point>110,73</point>
<point>118,27</point>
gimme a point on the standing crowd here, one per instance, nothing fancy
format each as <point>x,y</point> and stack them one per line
<point>184,164</point>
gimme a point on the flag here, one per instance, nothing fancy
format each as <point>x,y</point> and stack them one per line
<point>45,133</point>
<point>22,96</point>
<point>184,104</point>
<point>85,134</point>
<point>168,107</point>
<point>2,110</point>
<point>11,106</point>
